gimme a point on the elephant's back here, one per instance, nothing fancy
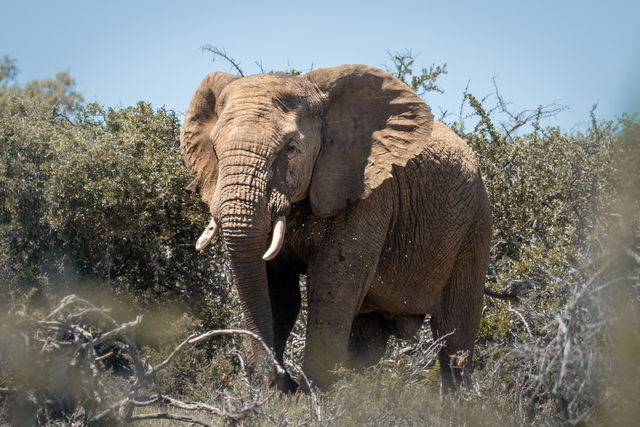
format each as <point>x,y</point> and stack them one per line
<point>439,196</point>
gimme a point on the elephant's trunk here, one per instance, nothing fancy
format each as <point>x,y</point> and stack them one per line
<point>242,207</point>
<point>243,217</point>
<point>249,272</point>
<point>246,245</point>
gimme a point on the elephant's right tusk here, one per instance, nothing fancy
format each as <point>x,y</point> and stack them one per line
<point>277,240</point>
<point>207,235</point>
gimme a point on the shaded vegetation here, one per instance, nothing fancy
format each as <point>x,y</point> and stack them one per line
<point>96,194</point>
<point>92,201</point>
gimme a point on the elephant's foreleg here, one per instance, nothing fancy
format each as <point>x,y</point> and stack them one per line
<point>339,276</point>
<point>284,293</point>
<point>368,339</point>
<point>332,307</point>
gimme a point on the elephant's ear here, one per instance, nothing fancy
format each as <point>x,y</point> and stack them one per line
<point>195,141</point>
<point>373,122</point>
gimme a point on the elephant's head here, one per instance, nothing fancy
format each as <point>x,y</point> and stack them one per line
<point>259,144</point>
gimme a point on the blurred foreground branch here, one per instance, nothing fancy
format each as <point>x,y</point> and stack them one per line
<point>575,358</point>
<point>77,339</point>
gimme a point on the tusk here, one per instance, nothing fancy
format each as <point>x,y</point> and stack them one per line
<point>277,240</point>
<point>207,235</point>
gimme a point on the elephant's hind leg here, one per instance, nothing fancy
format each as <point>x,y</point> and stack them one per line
<point>368,339</point>
<point>458,316</point>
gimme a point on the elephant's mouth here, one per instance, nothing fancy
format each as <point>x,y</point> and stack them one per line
<point>277,238</point>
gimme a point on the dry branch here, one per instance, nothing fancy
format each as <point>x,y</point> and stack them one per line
<point>216,51</point>
<point>117,332</point>
<point>220,332</point>
<point>6,391</point>
<point>167,416</point>
<point>71,361</point>
<point>174,353</point>
<point>203,407</point>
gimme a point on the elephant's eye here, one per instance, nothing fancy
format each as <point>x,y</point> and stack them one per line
<point>292,149</point>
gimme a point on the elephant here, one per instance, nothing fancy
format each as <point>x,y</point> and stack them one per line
<point>341,174</point>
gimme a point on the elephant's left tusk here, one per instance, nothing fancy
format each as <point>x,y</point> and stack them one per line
<point>277,240</point>
<point>207,235</point>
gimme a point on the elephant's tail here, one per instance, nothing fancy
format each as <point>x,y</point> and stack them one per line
<point>506,297</point>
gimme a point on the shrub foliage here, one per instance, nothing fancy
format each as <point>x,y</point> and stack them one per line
<point>93,197</point>
<point>96,194</point>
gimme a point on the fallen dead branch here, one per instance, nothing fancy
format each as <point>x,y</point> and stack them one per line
<point>75,333</point>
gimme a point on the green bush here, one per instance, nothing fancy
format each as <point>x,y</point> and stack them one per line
<point>96,195</point>
<point>92,200</point>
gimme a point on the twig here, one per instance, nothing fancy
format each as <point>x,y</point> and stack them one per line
<point>279,369</point>
<point>6,391</point>
<point>115,332</point>
<point>526,325</point>
<point>315,405</point>
<point>104,356</point>
<point>167,416</point>
<point>174,353</point>
<point>243,369</point>
<point>99,312</point>
<point>566,351</point>
<point>524,117</point>
<point>112,410</point>
<point>314,397</point>
<point>199,406</point>
<point>66,303</point>
<point>216,51</point>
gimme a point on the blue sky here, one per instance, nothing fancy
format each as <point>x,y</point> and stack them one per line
<point>573,53</point>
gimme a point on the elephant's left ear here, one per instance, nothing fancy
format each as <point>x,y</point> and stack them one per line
<point>373,122</point>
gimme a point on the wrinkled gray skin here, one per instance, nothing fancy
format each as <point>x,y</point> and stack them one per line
<point>386,212</point>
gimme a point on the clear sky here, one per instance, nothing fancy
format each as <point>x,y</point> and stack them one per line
<point>573,53</point>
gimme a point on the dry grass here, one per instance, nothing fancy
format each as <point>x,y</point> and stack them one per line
<point>576,368</point>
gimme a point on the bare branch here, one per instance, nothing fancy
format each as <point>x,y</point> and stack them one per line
<point>260,66</point>
<point>122,329</point>
<point>67,303</point>
<point>97,313</point>
<point>220,332</point>
<point>222,53</point>
<point>6,391</point>
<point>315,403</point>
<point>70,346</point>
<point>203,407</point>
<point>104,356</point>
<point>167,416</point>
<point>524,117</point>
<point>526,325</point>
<point>174,353</point>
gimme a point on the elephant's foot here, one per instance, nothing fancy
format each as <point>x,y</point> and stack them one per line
<point>455,371</point>
<point>324,356</point>
<point>368,339</point>
<point>284,383</point>
<point>323,373</point>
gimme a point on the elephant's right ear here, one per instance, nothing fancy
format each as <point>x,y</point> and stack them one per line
<point>195,141</point>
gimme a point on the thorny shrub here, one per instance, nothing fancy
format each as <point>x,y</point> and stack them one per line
<point>566,226</point>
